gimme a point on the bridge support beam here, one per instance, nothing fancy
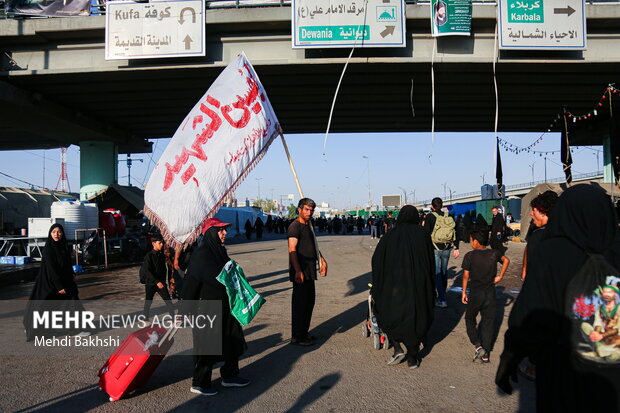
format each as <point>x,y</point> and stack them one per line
<point>98,166</point>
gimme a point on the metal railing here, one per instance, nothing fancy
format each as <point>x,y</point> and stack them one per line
<point>530,184</point>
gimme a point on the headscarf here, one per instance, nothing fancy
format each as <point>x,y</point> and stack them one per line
<point>403,273</point>
<point>585,216</point>
<point>58,248</point>
<point>408,215</point>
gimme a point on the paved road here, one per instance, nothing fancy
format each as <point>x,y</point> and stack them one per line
<point>341,373</point>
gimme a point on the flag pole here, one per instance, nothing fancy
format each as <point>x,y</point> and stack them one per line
<point>301,193</point>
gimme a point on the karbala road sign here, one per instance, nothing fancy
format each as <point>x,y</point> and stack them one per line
<point>542,24</point>
<point>156,29</point>
<point>348,23</point>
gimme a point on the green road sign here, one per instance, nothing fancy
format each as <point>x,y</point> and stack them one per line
<point>526,11</point>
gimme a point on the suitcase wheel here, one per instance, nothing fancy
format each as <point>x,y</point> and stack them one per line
<point>112,399</point>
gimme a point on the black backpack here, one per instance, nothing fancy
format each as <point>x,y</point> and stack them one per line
<point>593,307</point>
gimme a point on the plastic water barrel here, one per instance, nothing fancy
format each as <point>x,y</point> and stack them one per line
<point>92,215</point>
<point>106,221</point>
<point>74,214</point>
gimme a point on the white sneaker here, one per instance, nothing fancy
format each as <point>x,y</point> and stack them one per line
<point>442,304</point>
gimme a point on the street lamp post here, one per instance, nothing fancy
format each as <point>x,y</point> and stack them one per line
<point>532,166</point>
<point>404,193</point>
<point>369,196</point>
<point>258,181</point>
<point>349,190</point>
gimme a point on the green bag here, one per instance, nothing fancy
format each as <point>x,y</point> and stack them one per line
<point>243,299</point>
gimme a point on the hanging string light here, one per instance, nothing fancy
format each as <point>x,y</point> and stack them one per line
<point>611,89</point>
<point>605,97</point>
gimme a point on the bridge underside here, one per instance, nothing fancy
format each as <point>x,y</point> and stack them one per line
<point>377,97</point>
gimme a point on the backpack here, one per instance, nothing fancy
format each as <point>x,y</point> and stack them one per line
<point>443,231</point>
<point>593,307</point>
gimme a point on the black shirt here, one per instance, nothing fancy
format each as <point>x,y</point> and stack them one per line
<point>154,267</point>
<point>482,267</point>
<point>306,251</point>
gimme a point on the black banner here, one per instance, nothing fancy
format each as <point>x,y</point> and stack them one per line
<point>53,8</point>
<point>499,176</point>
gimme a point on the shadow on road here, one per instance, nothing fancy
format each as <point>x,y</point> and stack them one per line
<point>315,392</point>
<point>359,284</point>
<point>80,400</point>
<point>266,372</point>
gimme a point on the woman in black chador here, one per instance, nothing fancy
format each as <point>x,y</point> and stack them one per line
<point>403,285</point>
<point>582,222</point>
<point>201,285</point>
<point>54,282</point>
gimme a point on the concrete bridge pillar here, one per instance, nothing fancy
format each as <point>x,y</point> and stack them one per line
<point>98,166</point>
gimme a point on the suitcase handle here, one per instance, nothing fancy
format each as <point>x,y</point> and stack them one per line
<point>169,335</point>
<point>121,371</point>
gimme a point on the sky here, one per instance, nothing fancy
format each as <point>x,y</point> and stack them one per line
<point>397,161</point>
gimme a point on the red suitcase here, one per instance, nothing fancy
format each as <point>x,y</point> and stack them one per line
<point>135,360</point>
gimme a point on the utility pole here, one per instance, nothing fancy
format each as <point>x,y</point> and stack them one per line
<point>482,176</point>
<point>258,180</point>
<point>532,166</point>
<point>444,189</point>
<point>129,163</point>
<point>545,169</point>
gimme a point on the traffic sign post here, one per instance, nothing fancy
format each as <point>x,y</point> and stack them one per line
<point>542,24</point>
<point>333,24</point>
<point>156,29</point>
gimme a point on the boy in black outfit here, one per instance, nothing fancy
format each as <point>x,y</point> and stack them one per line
<point>480,266</point>
<point>155,272</point>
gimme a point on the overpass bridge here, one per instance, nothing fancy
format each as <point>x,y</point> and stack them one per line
<point>57,89</point>
<point>517,190</point>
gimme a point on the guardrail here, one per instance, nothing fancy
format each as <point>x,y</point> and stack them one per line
<point>531,184</point>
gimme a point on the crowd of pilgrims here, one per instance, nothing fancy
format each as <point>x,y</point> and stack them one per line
<point>340,224</point>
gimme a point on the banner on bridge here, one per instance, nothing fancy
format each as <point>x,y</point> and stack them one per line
<point>51,8</point>
<point>451,17</point>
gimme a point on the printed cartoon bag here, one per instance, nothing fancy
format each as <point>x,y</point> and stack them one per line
<point>593,306</point>
<point>243,299</point>
<point>443,231</point>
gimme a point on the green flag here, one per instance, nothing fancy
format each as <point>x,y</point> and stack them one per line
<point>243,299</point>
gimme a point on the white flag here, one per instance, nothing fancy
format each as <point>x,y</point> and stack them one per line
<point>218,143</point>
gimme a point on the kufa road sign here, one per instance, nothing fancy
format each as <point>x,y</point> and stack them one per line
<point>347,23</point>
<point>542,24</point>
<point>155,29</point>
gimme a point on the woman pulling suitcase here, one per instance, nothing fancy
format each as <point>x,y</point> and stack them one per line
<point>201,284</point>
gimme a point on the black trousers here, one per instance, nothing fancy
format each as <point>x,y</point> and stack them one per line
<point>151,289</point>
<point>203,367</point>
<point>482,302</point>
<point>302,306</point>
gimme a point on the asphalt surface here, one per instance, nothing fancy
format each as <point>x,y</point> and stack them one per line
<point>341,373</point>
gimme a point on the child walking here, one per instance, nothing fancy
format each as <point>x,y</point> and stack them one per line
<point>480,274</point>
<point>155,274</point>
